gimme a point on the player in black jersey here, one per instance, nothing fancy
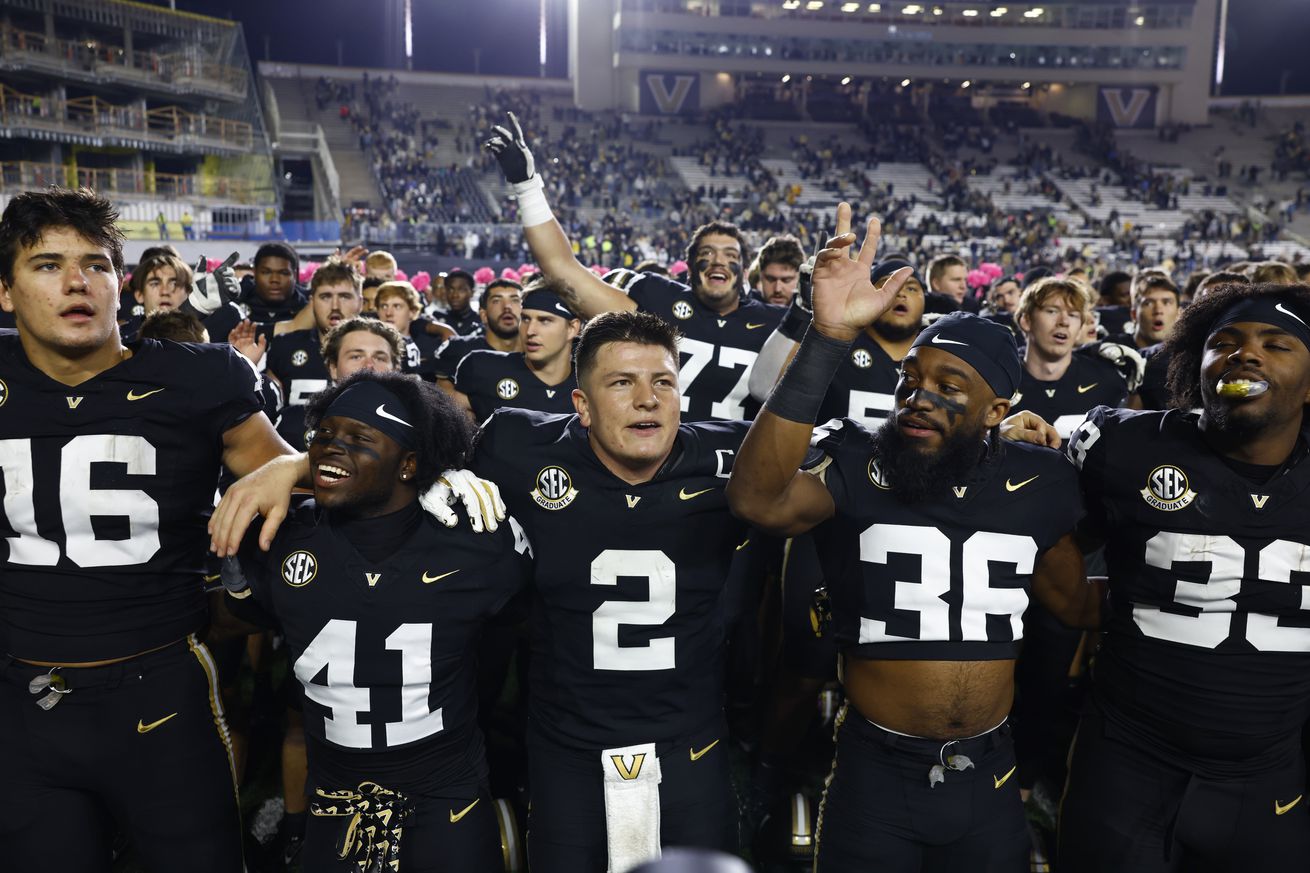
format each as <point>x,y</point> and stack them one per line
<point>460,314</point>
<point>361,344</point>
<point>722,329</point>
<point>502,303</point>
<point>633,542</point>
<point>1189,756</point>
<point>398,305</point>
<point>110,458</point>
<point>935,534</point>
<point>541,376</point>
<point>381,607</point>
<point>295,360</point>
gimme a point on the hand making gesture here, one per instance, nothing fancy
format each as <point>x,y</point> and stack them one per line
<point>845,301</point>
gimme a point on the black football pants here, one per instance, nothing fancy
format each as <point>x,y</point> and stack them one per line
<point>881,813</point>
<point>566,821</point>
<point>140,745</point>
<point>1128,808</point>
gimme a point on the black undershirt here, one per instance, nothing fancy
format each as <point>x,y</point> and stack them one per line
<point>1260,474</point>
<point>383,535</point>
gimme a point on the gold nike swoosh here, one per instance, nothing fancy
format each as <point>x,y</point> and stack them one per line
<point>132,395</point>
<point>750,326</point>
<point>143,728</point>
<point>696,756</point>
<point>683,495</point>
<point>1083,389</point>
<point>1015,486</point>
<point>456,816</point>
<point>428,580</point>
<point>744,543</point>
<point>1279,809</point>
<point>1006,778</point>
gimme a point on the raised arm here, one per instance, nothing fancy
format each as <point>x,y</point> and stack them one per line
<point>550,246</point>
<point>767,486</point>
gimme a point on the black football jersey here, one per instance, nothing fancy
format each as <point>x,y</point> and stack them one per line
<point>946,579</point>
<point>468,323</point>
<point>296,360</point>
<point>864,386</point>
<point>1209,578</point>
<point>717,351</point>
<point>386,650</point>
<point>492,380</point>
<point>1154,390</point>
<point>448,357</point>
<point>1090,381</point>
<point>107,489</point>
<point>629,607</point>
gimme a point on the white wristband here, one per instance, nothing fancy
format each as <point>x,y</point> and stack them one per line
<point>533,208</point>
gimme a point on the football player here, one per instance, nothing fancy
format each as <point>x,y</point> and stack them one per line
<point>381,607</point>
<point>936,534</point>
<point>1189,755</point>
<point>110,708</point>
<point>295,361</point>
<point>460,314</point>
<point>541,376</point>
<point>398,304</point>
<point>722,329</point>
<point>779,265</point>
<point>361,344</point>
<point>502,303</point>
<point>1155,309</point>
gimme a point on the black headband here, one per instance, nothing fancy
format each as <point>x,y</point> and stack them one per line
<point>1273,309</point>
<point>983,344</point>
<point>369,402</point>
<point>547,301</point>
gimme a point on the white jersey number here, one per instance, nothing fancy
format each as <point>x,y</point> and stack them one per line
<point>80,503</point>
<point>732,407</point>
<point>332,653</point>
<point>660,574</point>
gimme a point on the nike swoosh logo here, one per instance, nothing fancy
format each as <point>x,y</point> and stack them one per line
<point>1083,389</point>
<point>1289,314</point>
<point>132,395</point>
<point>381,410</point>
<point>683,495</point>
<point>753,326</point>
<point>1279,809</point>
<point>143,728</point>
<point>1015,486</point>
<point>941,340</point>
<point>1003,779</point>
<point>696,756</point>
<point>456,816</point>
<point>428,580</point>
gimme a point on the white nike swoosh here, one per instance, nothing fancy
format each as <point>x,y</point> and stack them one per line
<point>940,340</point>
<point>383,412</point>
<point>1288,312</point>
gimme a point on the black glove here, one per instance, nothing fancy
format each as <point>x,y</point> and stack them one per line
<point>211,291</point>
<point>804,296</point>
<point>512,153</point>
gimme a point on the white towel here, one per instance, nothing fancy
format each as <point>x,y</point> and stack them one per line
<point>632,805</point>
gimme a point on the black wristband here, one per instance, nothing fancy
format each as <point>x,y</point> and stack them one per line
<point>795,321</point>
<point>799,393</point>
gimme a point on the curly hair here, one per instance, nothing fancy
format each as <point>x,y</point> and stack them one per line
<point>1186,343</point>
<point>445,435</point>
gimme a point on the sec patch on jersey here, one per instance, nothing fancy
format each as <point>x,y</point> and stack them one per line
<point>299,568</point>
<point>554,488</point>
<point>1167,489</point>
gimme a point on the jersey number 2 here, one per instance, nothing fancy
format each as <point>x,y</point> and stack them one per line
<point>659,571</point>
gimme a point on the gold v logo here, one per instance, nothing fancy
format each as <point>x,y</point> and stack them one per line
<point>625,771</point>
<point>372,578</point>
<point>73,402</point>
<point>633,500</point>
<point>1125,113</point>
<point>722,322</point>
<point>959,490</point>
<point>1259,500</point>
<point>550,392</point>
<point>669,100</point>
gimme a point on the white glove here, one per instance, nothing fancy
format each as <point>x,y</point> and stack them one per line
<point>1131,364</point>
<point>209,291</point>
<point>481,499</point>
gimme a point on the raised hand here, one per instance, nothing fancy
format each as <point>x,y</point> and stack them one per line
<point>512,153</point>
<point>845,301</point>
<point>247,340</point>
<point>209,291</point>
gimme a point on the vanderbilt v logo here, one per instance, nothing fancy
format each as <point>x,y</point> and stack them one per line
<point>372,578</point>
<point>633,500</point>
<point>669,100</point>
<point>959,490</point>
<point>625,771</point>
<point>1125,114</point>
<point>73,402</point>
<point>1259,500</point>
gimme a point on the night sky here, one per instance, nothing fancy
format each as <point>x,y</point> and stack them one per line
<point>446,33</point>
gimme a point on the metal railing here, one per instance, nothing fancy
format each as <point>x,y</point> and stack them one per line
<point>29,175</point>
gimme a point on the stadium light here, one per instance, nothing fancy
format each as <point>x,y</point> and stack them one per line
<point>970,13</point>
<point>999,11</point>
<point>965,84</point>
<point>905,83</point>
<point>1140,21</point>
<point>791,4</point>
<point>1027,85</point>
<point>850,7</point>
<point>786,78</point>
<point>912,9</point>
<point>814,5</point>
<point>1034,13</point>
<point>937,10</point>
<point>846,80</point>
<point>875,7</point>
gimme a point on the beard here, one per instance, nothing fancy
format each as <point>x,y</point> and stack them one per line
<point>1233,419</point>
<point>503,333</point>
<point>896,332</point>
<point>915,476</point>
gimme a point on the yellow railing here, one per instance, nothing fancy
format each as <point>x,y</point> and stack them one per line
<point>28,175</point>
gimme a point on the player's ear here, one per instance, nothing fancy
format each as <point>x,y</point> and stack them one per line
<point>575,327</point>
<point>6,302</point>
<point>582,407</point>
<point>409,466</point>
<point>332,371</point>
<point>999,409</point>
<point>1024,324</point>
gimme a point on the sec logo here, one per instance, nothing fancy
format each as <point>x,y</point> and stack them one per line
<point>507,389</point>
<point>300,357</point>
<point>877,476</point>
<point>682,310</point>
<point>862,359</point>
<point>1167,489</point>
<point>299,568</point>
<point>554,488</point>
<point>4,392</point>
